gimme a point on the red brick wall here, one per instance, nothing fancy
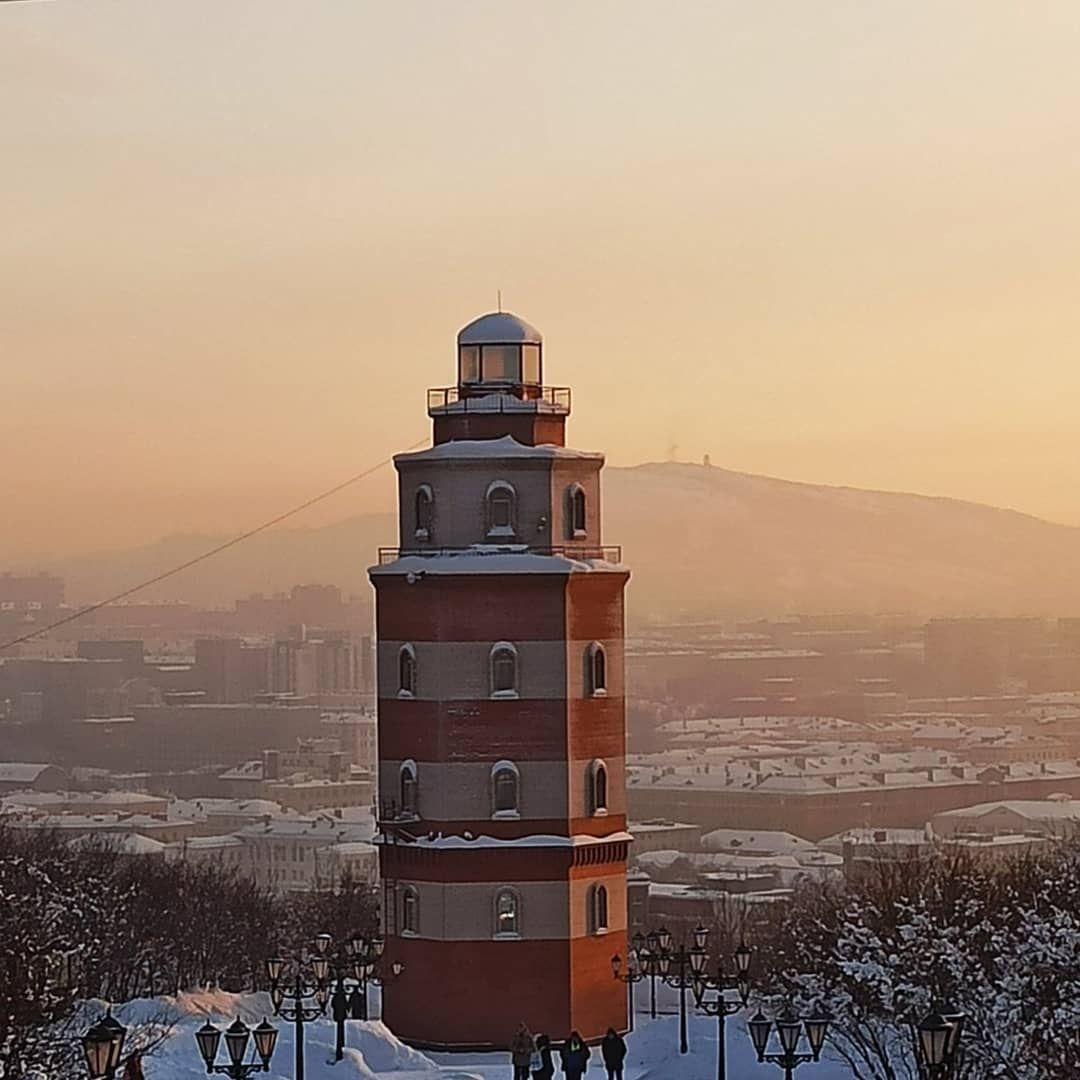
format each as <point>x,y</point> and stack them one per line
<point>472,607</point>
<point>485,730</point>
<point>499,864</point>
<point>598,999</point>
<point>530,430</point>
<point>457,993</point>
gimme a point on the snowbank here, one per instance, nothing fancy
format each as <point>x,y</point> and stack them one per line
<point>373,1052</point>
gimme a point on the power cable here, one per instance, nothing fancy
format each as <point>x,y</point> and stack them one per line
<point>82,612</point>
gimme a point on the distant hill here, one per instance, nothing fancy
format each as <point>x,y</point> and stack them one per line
<point>702,541</point>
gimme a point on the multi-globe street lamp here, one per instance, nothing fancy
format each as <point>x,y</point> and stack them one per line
<point>789,1029</point>
<point>237,1036</point>
<point>937,1043</point>
<point>633,975</point>
<point>678,968</point>
<point>299,990</point>
<point>651,958</point>
<point>361,960</point>
<point>721,1006</point>
<point>102,1046</point>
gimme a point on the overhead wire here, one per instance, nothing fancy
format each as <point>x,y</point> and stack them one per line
<point>217,550</point>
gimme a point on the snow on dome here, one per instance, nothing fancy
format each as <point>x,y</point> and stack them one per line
<point>499,328</point>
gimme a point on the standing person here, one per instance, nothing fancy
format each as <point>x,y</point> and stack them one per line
<point>613,1050</point>
<point>546,1071</point>
<point>133,1068</point>
<point>522,1048</point>
<point>575,1057</point>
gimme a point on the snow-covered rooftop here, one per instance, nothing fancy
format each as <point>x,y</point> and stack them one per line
<point>20,772</point>
<point>461,843</point>
<point>491,559</point>
<point>487,450</point>
<point>1052,809</point>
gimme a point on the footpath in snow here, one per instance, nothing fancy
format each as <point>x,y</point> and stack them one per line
<point>372,1050</point>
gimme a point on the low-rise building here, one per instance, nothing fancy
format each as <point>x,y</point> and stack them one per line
<point>660,835</point>
<point>28,776</point>
<point>1056,816</point>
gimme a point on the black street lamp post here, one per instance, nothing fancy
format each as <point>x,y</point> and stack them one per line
<point>678,968</point>
<point>237,1035</point>
<point>649,957</point>
<point>720,1006</point>
<point>306,979</point>
<point>789,1028</point>
<point>362,960</point>
<point>632,976</point>
<point>102,1046</point>
<point>937,1043</point>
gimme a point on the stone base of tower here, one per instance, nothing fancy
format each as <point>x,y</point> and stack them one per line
<point>470,995</point>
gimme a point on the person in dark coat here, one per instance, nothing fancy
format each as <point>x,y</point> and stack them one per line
<point>133,1068</point>
<point>613,1051</point>
<point>547,1066</point>
<point>522,1048</point>
<point>575,1057</point>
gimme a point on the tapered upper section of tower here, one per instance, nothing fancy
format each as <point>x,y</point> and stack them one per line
<point>500,387</point>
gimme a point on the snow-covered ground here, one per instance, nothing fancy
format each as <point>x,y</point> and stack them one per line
<point>374,1052</point>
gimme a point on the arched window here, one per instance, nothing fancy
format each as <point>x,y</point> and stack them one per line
<point>408,789</point>
<point>598,788</point>
<point>597,670</point>
<point>424,507</point>
<point>410,911</point>
<point>504,670</point>
<point>501,509</point>
<point>406,671</point>
<point>597,911</point>
<point>577,513</point>
<point>507,913</point>
<point>504,789</point>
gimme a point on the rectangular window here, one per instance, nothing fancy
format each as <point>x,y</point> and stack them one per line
<point>469,364</point>
<point>530,365</point>
<point>502,512</point>
<point>502,363</point>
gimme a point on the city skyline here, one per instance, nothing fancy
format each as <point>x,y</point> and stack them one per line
<point>835,248</point>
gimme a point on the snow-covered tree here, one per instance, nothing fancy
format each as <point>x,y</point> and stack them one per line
<point>999,942</point>
<point>81,921</point>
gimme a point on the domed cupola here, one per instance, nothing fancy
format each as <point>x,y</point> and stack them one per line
<point>500,387</point>
<point>499,351</point>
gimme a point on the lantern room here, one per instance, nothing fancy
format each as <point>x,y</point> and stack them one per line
<point>500,386</point>
<point>499,351</point>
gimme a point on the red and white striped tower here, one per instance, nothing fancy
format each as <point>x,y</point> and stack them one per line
<point>501,716</point>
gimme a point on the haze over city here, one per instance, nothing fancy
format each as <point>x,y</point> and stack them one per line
<point>539,540</point>
<point>834,243</point>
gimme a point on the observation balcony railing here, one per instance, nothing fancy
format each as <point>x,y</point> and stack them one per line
<point>499,398</point>
<point>611,553</point>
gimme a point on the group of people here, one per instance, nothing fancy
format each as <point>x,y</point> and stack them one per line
<point>534,1057</point>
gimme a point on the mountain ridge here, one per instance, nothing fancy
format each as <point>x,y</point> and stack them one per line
<point>701,540</point>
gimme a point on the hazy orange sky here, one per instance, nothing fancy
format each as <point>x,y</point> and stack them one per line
<point>828,241</point>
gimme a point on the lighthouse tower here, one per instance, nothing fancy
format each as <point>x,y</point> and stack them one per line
<point>503,837</point>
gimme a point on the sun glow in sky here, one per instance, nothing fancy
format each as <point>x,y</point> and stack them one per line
<point>832,241</point>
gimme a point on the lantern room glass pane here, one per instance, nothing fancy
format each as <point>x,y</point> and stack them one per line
<point>530,365</point>
<point>468,364</point>
<point>502,363</point>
